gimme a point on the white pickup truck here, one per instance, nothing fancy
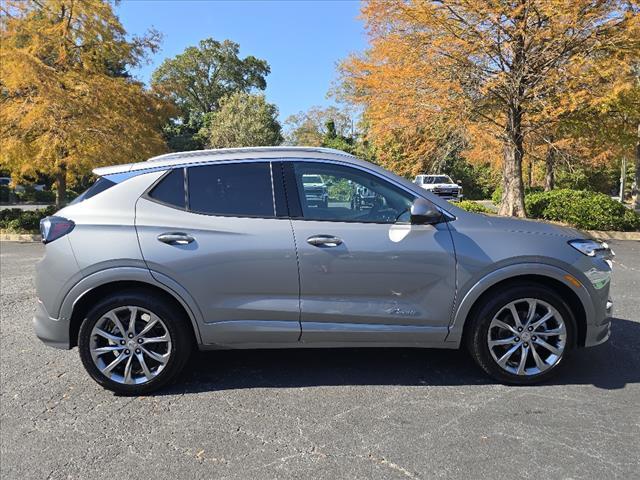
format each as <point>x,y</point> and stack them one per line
<point>441,185</point>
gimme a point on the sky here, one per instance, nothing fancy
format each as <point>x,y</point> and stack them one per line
<point>302,40</point>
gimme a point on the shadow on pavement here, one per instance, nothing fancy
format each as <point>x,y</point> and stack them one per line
<point>612,365</point>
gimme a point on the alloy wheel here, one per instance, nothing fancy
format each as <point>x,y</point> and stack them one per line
<point>527,337</point>
<point>130,345</point>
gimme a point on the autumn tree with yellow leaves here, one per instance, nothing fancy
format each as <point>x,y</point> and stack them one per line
<point>498,73</point>
<point>67,103</point>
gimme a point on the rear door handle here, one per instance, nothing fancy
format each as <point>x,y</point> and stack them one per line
<point>324,241</point>
<point>175,238</point>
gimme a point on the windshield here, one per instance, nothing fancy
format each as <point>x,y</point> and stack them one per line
<point>312,179</point>
<point>436,179</point>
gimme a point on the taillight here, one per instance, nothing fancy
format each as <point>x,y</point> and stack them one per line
<point>52,228</point>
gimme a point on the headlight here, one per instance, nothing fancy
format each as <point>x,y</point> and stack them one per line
<point>588,247</point>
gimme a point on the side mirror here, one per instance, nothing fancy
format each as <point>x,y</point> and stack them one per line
<point>459,182</point>
<point>424,213</point>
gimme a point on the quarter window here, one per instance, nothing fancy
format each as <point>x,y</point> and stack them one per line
<point>235,189</point>
<point>170,189</point>
<point>338,193</point>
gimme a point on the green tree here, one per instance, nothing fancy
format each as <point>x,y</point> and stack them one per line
<point>197,79</point>
<point>243,120</point>
<point>68,104</point>
<point>311,128</point>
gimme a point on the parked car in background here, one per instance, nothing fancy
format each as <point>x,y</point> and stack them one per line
<point>315,190</point>
<point>441,185</point>
<point>362,197</point>
<point>227,249</point>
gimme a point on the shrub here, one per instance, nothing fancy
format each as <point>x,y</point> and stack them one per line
<point>16,220</point>
<point>471,206</point>
<point>30,194</point>
<point>496,196</point>
<point>582,209</point>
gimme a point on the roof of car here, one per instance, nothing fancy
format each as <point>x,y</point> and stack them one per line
<point>207,156</point>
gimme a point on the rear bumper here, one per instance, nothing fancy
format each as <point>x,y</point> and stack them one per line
<point>53,332</point>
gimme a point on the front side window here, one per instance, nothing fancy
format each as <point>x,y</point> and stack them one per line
<point>338,193</point>
<point>240,189</point>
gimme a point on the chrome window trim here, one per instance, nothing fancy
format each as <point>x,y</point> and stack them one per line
<point>273,191</point>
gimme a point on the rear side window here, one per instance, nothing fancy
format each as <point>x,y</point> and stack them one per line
<point>100,185</point>
<point>170,189</point>
<point>234,189</point>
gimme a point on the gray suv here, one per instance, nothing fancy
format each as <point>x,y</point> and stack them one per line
<point>222,249</point>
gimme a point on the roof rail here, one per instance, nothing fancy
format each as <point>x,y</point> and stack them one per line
<point>220,151</point>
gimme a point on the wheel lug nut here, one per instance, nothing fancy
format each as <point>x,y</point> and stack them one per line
<point>137,350</point>
<point>534,338</point>
<point>122,342</point>
<point>526,344</point>
<point>131,335</point>
<point>519,329</point>
<point>530,329</point>
<point>127,352</point>
<point>140,340</point>
<point>517,339</point>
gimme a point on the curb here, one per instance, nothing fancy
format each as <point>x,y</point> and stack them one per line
<point>633,236</point>
<point>20,237</point>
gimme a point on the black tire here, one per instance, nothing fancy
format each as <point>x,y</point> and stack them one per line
<point>176,324</point>
<point>477,331</point>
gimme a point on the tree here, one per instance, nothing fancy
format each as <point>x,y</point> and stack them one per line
<point>243,120</point>
<point>67,103</point>
<point>197,79</point>
<point>487,69</point>
<point>311,127</point>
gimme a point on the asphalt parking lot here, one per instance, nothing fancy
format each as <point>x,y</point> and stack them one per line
<point>319,413</point>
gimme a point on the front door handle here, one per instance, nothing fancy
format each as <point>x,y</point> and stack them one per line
<point>175,238</point>
<point>324,241</point>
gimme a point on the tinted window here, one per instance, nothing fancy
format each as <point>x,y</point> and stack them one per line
<point>237,189</point>
<point>349,194</point>
<point>100,185</point>
<point>170,189</point>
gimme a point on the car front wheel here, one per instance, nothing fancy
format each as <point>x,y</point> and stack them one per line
<point>133,343</point>
<point>522,335</point>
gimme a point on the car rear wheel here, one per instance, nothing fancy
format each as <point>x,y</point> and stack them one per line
<point>522,335</point>
<point>134,343</point>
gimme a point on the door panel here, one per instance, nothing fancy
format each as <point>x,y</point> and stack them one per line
<point>365,278</point>
<point>379,275</point>
<point>242,272</point>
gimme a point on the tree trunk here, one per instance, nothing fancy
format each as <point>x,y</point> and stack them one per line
<point>549,176</point>
<point>61,185</point>
<point>636,189</point>
<point>529,172</point>
<point>512,186</point>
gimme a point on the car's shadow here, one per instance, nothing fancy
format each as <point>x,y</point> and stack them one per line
<point>612,365</point>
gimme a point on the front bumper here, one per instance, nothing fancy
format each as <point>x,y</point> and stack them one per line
<point>601,331</point>
<point>53,332</point>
